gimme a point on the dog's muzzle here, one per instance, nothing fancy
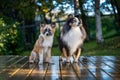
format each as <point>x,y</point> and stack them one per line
<point>47,32</point>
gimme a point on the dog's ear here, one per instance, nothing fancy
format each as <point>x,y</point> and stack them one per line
<point>42,24</point>
<point>53,25</point>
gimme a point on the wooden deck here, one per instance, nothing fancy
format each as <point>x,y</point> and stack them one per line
<point>96,68</point>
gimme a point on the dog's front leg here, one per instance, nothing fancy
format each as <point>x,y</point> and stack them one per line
<point>74,56</point>
<point>44,56</point>
<point>49,55</point>
<point>65,54</point>
<point>62,57</point>
<point>78,54</point>
<point>41,57</point>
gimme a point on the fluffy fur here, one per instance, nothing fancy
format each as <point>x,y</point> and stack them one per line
<point>43,45</point>
<point>71,39</point>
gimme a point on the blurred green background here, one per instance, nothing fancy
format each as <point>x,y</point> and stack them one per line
<point>20,19</point>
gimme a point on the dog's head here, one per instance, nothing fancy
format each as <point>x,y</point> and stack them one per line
<point>73,22</point>
<point>47,29</point>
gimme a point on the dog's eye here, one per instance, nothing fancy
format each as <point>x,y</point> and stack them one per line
<point>74,21</point>
<point>47,30</point>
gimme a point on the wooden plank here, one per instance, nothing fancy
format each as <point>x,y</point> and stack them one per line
<point>12,61</point>
<point>38,72</point>
<point>5,60</point>
<point>85,70</point>
<point>96,68</point>
<point>112,61</point>
<point>9,63</point>
<point>82,71</point>
<point>67,72</point>
<point>9,70</point>
<point>101,69</point>
<point>111,68</point>
<point>19,73</point>
<point>24,72</point>
<point>53,71</point>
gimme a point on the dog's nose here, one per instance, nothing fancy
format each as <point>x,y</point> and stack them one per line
<point>47,34</point>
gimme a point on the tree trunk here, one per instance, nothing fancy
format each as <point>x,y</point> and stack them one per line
<point>116,16</point>
<point>117,4</point>
<point>99,36</point>
<point>76,7</point>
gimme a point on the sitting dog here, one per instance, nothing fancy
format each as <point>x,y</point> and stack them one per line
<point>43,44</point>
<point>71,39</point>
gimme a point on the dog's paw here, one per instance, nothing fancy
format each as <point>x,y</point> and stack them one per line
<point>67,61</point>
<point>36,60</point>
<point>31,61</point>
<point>61,59</point>
<point>50,62</point>
<point>75,61</point>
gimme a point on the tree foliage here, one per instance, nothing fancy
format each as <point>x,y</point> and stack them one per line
<point>20,10</point>
<point>9,38</point>
<point>25,11</point>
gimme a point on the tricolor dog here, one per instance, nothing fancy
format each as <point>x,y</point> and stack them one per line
<point>43,44</point>
<point>72,38</point>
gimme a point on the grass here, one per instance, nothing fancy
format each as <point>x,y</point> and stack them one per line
<point>110,47</point>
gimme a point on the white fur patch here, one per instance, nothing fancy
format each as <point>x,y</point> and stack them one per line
<point>73,38</point>
<point>48,41</point>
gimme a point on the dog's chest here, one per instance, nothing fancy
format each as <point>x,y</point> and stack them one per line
<point>73,38</point>
<point>74,34</point>
<point>48,41</point>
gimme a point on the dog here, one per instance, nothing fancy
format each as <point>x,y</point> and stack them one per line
<point>43,45</point>
<point>71,39</point>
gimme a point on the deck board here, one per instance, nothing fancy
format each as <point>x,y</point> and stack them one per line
<point>88,70</point>
<point>99,70</point>
<point>53,72</point>
<point>96,68</point>
<point>68,72</point>
<point>109,67</point>
<point>8,70</point>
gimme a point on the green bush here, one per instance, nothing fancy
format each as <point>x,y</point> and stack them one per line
<point>9,37</point>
